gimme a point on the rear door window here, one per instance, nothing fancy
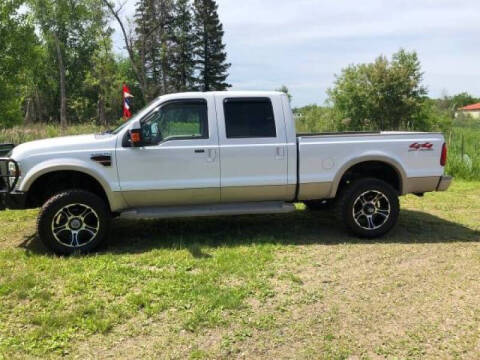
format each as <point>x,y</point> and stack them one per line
<point>249,118</point>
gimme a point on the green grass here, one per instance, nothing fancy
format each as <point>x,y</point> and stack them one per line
<point>21,134</point>
<point>267,286</point>
<point>464,153</point>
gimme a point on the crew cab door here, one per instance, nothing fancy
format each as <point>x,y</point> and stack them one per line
<point>253,153</point>
<point>179,162</point>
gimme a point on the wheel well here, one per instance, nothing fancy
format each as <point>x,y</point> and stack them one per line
<point>54,182</point>
<point>372,169</point>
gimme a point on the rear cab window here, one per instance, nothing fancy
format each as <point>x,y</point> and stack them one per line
<point>249,118</point>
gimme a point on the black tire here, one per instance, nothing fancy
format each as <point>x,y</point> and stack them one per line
<point>63,212</point>
<point>318,205</point>
<point>361,197</point>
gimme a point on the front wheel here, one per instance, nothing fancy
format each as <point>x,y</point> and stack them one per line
<point>73,221</point>
<point>368,207</point>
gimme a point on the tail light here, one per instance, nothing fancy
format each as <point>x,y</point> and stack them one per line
<point>443,157</point>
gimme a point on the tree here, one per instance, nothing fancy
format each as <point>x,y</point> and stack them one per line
<point>463,99</point>
<point>145,46</point>
<point>314,118</point>
<point>69,30</point>
<point>135,62</point>
<point>164,34</point>
<point>41,88</point>
<point>209,47</point>
<point>451,104</point>
<point>52,18</point>
<point>386,94</point>
<point>154,23</point>
<point>183,62</point>
<point>104,81</point>
<point>17,52</point>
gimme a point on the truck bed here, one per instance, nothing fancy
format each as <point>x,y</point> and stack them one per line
<point>324,157</point>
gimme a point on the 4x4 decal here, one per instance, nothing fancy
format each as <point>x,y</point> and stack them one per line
<point>421,147</point>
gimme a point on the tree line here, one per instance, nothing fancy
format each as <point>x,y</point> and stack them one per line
<point>57,62</point>
<point>386,94</point>
<point>57,65</point>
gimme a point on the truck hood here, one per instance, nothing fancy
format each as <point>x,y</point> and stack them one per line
<point>62,145</point>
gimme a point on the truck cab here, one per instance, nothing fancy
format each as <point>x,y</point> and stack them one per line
<point>210,148</point>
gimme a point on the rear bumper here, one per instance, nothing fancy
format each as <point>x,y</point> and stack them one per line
<point>13,200</point>
<point>444,183</point>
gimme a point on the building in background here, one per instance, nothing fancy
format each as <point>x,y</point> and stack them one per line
<point>472,110</point>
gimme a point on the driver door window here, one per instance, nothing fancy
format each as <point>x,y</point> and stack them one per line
<point>176,121</point>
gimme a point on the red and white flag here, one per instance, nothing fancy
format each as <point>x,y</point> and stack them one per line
<point>126,102</point>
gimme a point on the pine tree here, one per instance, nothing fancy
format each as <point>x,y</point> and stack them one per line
<point>164,36</point>
<point>153,27</point>
<point>209,47</point>
<point>145,45</point>
<point>182,60</point>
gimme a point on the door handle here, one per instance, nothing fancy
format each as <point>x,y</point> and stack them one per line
<point>279,153</point>
<point>212,155</point>
<point>199,151</point>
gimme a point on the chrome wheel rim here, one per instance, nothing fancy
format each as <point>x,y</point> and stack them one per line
<point>75,225</point>
<point>371,210</point>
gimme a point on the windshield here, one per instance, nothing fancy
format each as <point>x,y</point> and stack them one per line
<point>138,115</point>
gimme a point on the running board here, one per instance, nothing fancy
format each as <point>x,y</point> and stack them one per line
<point>270,207</point>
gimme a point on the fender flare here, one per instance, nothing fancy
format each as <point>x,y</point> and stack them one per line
<point>47,167</point>
<point>402,175</point>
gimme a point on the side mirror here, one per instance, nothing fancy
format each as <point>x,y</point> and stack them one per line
<point>136,137</point>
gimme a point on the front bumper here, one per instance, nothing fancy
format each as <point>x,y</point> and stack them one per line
<point>444,183</point>
<point>8,197</point>
<point>13,200</point>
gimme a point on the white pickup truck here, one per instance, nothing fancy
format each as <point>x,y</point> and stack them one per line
<point>216,153</point>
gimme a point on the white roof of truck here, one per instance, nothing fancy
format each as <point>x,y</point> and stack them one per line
<point>229,93</point>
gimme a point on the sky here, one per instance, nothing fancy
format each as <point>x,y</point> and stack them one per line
<point>303,43</point>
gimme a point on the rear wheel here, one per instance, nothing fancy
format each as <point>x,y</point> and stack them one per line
<point>368,207</point>
<point>73,221</point>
